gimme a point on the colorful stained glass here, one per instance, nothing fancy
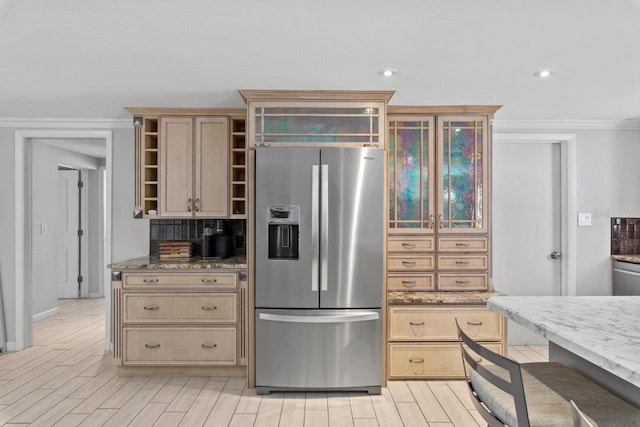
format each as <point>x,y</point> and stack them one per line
<point>462,174</point>
<point>408,174</point>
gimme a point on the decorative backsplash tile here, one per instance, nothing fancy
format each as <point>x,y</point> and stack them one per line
<point>625,236</point>
<point>163,230</point>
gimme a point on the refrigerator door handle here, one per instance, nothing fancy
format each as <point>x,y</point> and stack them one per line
<point>315,199</point>
<point>324,228</point>
<point>338,318</point>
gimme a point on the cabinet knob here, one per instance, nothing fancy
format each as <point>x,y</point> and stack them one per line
<point>197,205</point>
<point>431,221</point>
<point>189,205</point>
<point>440,221</point>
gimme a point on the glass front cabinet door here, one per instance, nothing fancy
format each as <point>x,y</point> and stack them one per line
<point>411,157</point>
<point>462,175</point>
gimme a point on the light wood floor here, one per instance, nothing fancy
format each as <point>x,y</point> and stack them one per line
<point>66,379</point>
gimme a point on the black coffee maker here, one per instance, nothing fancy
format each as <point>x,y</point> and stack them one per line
<point>216,241</point>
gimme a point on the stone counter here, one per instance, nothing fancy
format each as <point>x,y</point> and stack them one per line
<point>439,297</point>
<point>195,263</point>
<point>635,259</point>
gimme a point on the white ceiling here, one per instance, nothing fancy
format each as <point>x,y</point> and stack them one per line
<point>91,58</point>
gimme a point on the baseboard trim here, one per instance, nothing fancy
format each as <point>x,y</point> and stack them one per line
<point>95,295</point>
<point>10,346</point>
<point>192,371</point>
<point>45,314</point>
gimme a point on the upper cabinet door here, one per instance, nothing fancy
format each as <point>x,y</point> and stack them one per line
<point>463,184</point>
<point>211,167</point>
<point>176,157</point>
<point>411,165</point>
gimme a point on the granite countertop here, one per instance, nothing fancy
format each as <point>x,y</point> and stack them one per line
<point>194,263</point>
<point>403,297</point>
<point>635,259</point>
<point>601,329</point>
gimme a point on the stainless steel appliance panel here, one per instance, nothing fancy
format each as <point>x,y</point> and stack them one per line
<point>318,349</point>
<point>287,177</point>
<point>626,278</point>
<point>351,243</point>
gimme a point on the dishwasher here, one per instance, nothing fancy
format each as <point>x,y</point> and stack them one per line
<point>626,278</point>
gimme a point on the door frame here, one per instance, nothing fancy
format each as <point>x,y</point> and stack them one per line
<point>23,249</point>
<point>568,198</point>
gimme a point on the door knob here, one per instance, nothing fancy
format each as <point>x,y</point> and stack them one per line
<point>555,255</point>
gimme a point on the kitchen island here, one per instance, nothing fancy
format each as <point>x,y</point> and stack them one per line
<point>597,335</point>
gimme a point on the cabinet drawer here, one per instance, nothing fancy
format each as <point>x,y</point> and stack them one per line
<point>429,360</point>
<point>410,244</point>
<point>180,346</point>
<point>462,282</point>
<point>176,308</point>
<point>462,244</point>
<point>462,262</point>
<point>410,263</point>
<point>182,279</point>
<point>439,323</point>
<point>422,282</point>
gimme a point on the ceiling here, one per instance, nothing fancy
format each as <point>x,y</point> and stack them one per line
<point>89,58</point>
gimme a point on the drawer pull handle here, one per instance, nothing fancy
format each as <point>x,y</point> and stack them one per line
<point>409,283</point>
<point>462,261</point>
<point>411,262</point>
<point>209,280</point>
<point>416,323</point>
<point>417,360</point>
<point>474,323</point>
<point>462,282</point>
<point>152,345</point>
<point>209,307</point>
<point>462,244</point>
<point>409,245</point>
<point>209,345</point>
<point>150,280</point>
<point>151,307</point>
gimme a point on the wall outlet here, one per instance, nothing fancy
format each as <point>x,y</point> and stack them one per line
<point>584,219</point>
<point>43,228</point>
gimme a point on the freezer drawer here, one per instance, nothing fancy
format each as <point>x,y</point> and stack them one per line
<point>318,350</point>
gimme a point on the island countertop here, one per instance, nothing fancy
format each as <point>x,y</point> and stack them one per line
<point>194,263</point>
<point>600,329</point>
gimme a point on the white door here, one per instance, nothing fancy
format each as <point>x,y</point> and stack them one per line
<point>67,236</point>
<point>526,224</point>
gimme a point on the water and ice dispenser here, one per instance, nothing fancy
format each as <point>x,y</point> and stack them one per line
<point>284,226</point>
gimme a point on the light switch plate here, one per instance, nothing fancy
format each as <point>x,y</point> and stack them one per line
<point>584,219</point>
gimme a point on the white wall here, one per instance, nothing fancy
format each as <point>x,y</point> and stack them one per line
<point>130,238</point>
<point>44,195</point>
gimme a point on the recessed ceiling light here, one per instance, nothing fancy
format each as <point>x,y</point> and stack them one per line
<point>545,73</point>
<point>388,72</point>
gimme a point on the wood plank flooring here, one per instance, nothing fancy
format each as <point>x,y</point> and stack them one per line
<point>67,379</point>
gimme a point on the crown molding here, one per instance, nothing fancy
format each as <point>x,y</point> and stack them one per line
<point>21,123</point>
<point>555,125</point>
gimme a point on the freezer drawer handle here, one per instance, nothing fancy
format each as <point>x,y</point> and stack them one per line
<point>209,345</point>
<point>152,345</point>
<point>151,307</point>
<point>209,307</point>
<point>338,318</point>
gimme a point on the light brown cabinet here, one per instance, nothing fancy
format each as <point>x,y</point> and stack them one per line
<point>194,166</point>
<point>190,163</point>
<point>423,340</point>
<point>179,318</point>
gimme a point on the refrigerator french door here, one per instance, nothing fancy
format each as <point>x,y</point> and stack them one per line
<point>318,272</point>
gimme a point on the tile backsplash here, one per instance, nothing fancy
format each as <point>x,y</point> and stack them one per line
<point>163,230</point>
<point>625,236</point>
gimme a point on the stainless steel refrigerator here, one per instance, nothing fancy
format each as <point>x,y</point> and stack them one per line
<point>318,272</point>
